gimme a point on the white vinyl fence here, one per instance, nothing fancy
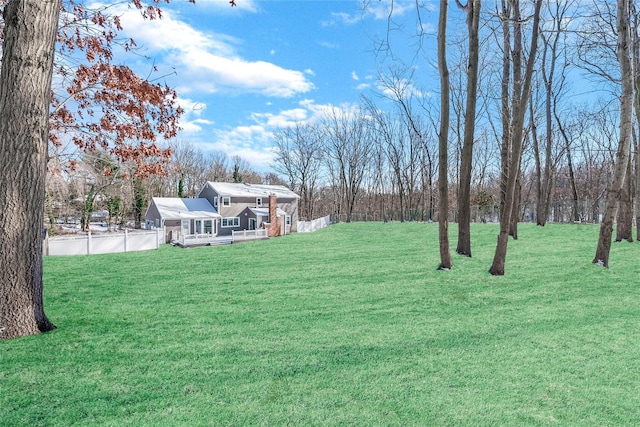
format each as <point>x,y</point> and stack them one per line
<point>260,233</point>
<point>316,224</point>
<point>89,244</point>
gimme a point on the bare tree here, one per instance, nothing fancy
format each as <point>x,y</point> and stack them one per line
<point>568,141</point>
<point>347,149</point>
<point>472,10</point>
<point>298,156</point>
<point>217,167</point>
<point>520,97</point>
<point>624,144</point>
<point>551,60</point>
<point>443,140</point>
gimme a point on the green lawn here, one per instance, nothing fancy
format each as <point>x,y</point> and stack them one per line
<point>351,325</point>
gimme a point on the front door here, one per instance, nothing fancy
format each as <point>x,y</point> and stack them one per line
<point>252,223</point>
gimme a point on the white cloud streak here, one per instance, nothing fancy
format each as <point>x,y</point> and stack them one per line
<point>209,61</point>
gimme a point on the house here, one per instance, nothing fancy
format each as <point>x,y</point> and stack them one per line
<point>222,208</point>
<point>246,206</point>
<point>182,216</point>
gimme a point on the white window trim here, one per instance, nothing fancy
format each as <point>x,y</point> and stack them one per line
<point>235,222</point>
<point>215,202</point>
<point>287,220</point>
<point>258,202</point>
<point>226,201</point>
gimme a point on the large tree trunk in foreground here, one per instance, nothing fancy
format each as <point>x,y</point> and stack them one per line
<point>624,146</point>
<point>472,9</point>
<point>25,90</point>
<point>443,183</point>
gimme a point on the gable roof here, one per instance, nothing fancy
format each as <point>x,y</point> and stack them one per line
<point>251,190</point>
<point>177,208</point>
<point>265,212</point>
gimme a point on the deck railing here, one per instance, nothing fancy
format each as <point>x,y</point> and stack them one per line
<point>241,235</point>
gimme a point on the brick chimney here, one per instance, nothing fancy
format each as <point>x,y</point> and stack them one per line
<point>273,230</point>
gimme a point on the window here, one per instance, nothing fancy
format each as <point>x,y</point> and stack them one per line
<point>231,222</point>
<point>215,202</point>
<point>258,202</point>
<point>207,226</point>
<point>226,201</point>
<point>287,220</point>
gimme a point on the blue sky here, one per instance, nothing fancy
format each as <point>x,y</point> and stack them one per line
<point>242,72</point>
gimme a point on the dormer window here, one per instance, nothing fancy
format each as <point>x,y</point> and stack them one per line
<point>258,202</point>
<point>226,201</point>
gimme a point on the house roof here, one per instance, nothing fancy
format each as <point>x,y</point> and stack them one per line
<point>251,190</point>
<point>265,212</point>
<point>177,208</point>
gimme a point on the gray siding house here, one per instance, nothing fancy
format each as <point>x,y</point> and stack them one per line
<point>182,216</point>
<point>222,208</point>
<point>246,206</point>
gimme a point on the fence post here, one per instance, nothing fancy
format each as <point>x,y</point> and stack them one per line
<point>126,238</point>
<point>89,242</point>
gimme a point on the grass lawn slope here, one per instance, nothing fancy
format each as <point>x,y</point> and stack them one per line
<point>351,325</point>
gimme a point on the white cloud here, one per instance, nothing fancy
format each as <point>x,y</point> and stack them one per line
<point>215,73</point>
<point>251,143</point>
<point>341,18</point>
<point>191,121</point>
<point>376,10</point>
<point>284,118</point>
<point>397,8</point>
<point>209,61</point>
<point>354,75</point>
<point>254,143</point>
<point>329,45</point>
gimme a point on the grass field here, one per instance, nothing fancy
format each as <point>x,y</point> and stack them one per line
<point>351,325</point>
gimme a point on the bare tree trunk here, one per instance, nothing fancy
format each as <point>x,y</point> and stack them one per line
<point>505,146</point>
<point>572,179</point>
<point>472,9</point>
<point>25,91</point>
<point>624,146</point>
<point>540,217</point>
<point>548,75</point>
<point>636,106</point>
<point>625,208</point>
<point>443,139</point>
<point>636,176</point>
<point>520,99</point>
<point>515,212</point>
